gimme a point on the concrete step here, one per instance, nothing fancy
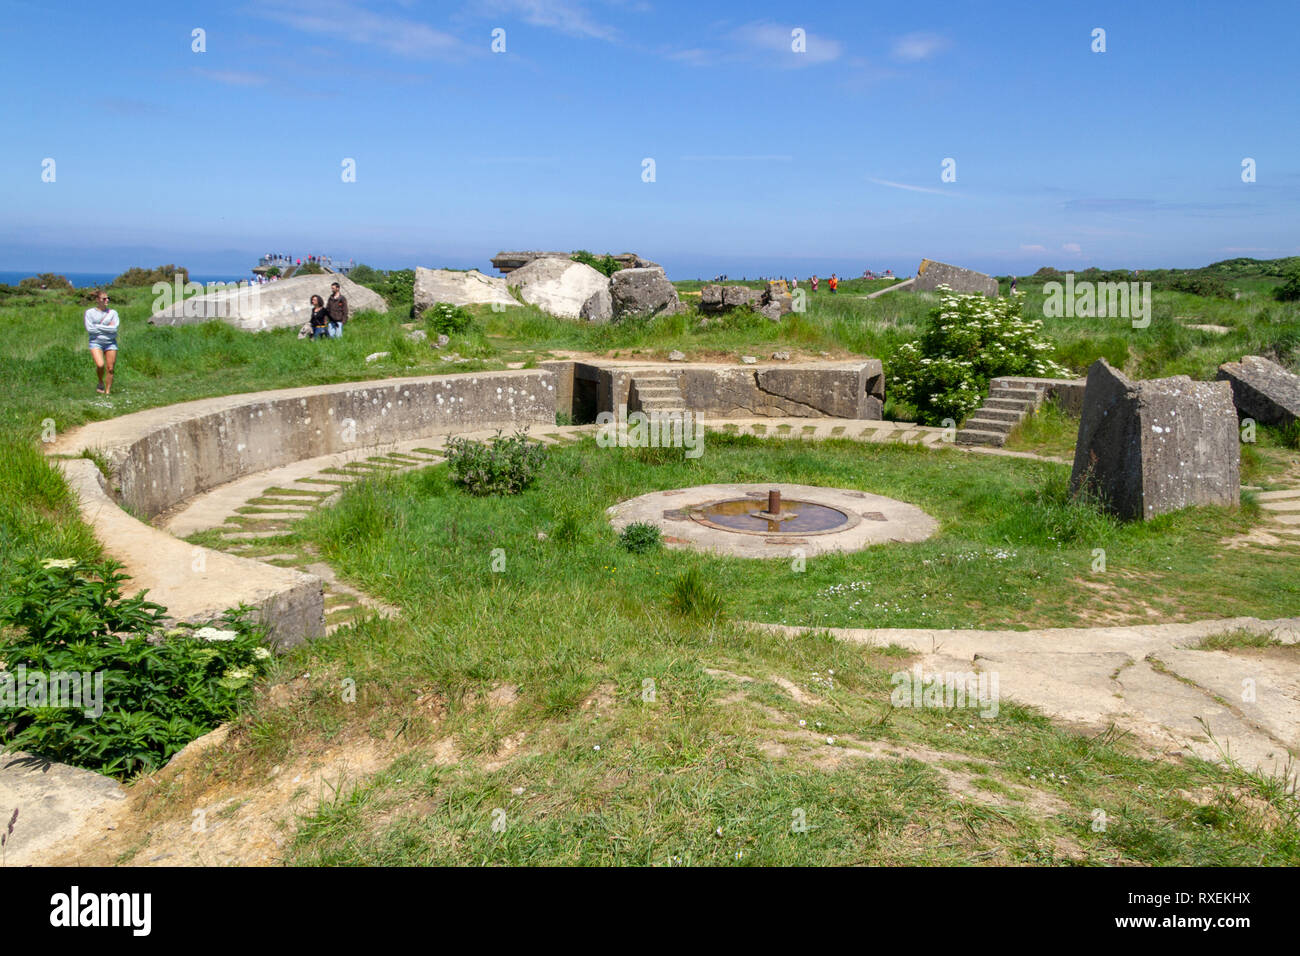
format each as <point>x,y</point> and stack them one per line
<point>981,424</point>
<point>972,436</point>
<point>1285,519</point>
<point>1010,404</point>
<point>1278,495</point>
<point>1000,414</point>
<point>243,534</point>
<point>1023,394</point>
<point>1286,504</point>
<point>657,390</point>
<point>1019,383</point>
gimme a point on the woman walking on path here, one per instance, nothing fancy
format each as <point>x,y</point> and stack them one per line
<point>101,325</point>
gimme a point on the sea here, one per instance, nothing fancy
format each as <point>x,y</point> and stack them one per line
<point>89,280</point>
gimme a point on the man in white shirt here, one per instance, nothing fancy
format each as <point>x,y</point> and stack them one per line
<point>101,325</point>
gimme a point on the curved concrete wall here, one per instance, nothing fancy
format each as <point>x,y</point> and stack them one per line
<point>163,456</point>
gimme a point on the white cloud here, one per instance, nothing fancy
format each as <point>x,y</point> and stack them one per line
<point>914,189</point>
<point>563,16</point>
<point>350,21</point>
<point>232,77</point>
<point>1033,248</point>
<point>770,38</point>
<point>919,46</point>
<point>1073,248</point>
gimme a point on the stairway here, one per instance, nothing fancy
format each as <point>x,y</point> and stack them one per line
<point>1010,401</point>
<point>656,393</point>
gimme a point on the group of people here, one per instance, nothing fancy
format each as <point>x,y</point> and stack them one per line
<point>102,325</point>
<point>833,283</point>
<point>284,261</point>
<point>328,318</point>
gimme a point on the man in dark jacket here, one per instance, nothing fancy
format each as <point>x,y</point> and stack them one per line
<point>338,310</point>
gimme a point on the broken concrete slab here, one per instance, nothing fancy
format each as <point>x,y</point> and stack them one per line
<point>643,292</point>
<point>1263,390</point>
<point>459,288</point>
<point>285,303</point>
<point>565,288</point>
<point>931,274</point>
<point>1147,448</point>
<point>55,803</point>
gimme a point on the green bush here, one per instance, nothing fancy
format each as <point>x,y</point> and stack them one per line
<point>1210,287</point>
<point>160,690</point>
<point>46,280</point>
<point>498,466</point>
<point>443,318</point>
<point>399,286</point>
<point>1289,291</point>
<point>968,340</point>
<point>135,276</point>
<point>606,264</point>
<point>640,537</point>
<point>367,276</point>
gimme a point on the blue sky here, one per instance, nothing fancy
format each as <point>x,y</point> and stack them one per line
<point>766,160</point>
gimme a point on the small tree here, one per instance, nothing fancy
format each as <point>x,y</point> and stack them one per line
<point>1289,291</point>
<point>968,340</point>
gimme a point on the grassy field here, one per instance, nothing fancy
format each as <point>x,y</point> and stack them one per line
<point>713,769</point>
<point>584,769</point>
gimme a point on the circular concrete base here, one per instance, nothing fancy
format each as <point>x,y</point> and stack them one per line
<point>873,520</point>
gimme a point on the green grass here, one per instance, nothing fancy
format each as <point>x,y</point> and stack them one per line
<point>711,770</point>
<point>578,624</point>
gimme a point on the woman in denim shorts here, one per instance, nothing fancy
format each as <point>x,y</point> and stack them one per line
<point>101,325</point>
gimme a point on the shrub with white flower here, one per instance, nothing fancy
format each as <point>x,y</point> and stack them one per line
<point>969,339</point>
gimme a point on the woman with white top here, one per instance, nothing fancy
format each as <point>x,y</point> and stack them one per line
<point>101,325</point>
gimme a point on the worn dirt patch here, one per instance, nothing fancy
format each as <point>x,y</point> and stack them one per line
<point>218,821</point>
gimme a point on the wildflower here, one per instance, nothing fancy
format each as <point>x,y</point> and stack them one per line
<point>58,562</point>
<point>213,634</point>
<point>261,653</point>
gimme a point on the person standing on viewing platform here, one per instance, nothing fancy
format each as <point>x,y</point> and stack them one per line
<point>102,324</point>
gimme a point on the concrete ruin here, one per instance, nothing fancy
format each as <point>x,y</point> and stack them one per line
<point>565,288</point>
<point>643,292</point>
<point>773,302</point>
<point>162,457</point>
<point>285,303</point>
<point>459,288</point>
<point>931,274</point>
<point>507,262</point>
<point>852,390</point>
<point>1263,390</point>
<point>1147,448</point>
